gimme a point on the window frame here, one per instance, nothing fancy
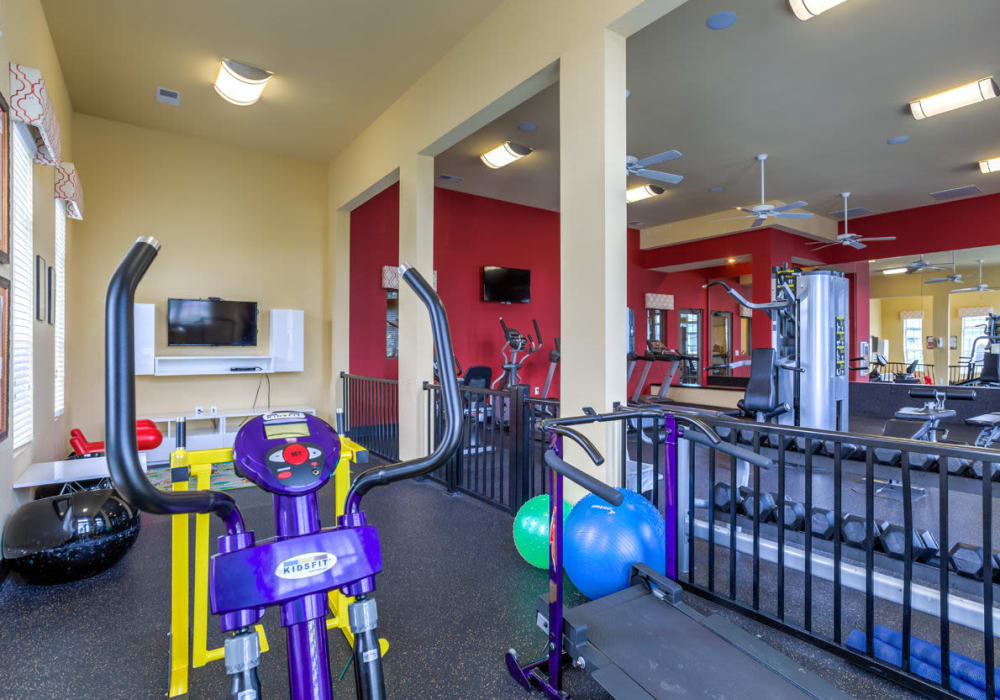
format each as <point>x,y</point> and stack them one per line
<point>965,352</point>
<point>22,296</point>
<point>685,372</point>
<point>919,349</point>
<point>58,296</point>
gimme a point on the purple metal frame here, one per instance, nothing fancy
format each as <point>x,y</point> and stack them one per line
<point>531,675</point>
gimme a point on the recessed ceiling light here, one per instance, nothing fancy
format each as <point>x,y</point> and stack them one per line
<point>527,126</point>
<point>871,261</point>
<point>239,83</point>
<point>894,271</point>
<point>721,20</point>
<point>962,96</point>
<point>898,139</point>
<point>807,9</point>
<point>504,154</point>
<point>637,194</point>
<point>717,188</point>
<point>990,166</point>
<point>731,260</point>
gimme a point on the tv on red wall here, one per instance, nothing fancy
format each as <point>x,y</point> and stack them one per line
<point>507,285</point>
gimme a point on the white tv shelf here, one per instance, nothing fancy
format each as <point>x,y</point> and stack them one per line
<point>285,350</point>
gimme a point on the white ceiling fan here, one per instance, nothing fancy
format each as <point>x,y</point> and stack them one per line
<point>921,265</point>
<point>979,287</point>
<point>763,211</point>
<point>635,166</point>
<point>853,240</point>
<point>955,275</point>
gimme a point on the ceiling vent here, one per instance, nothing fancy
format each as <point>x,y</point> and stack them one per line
<point>170,97</point>
<point>956,192</point>
<point>851,213</point>
<point>449,178</point>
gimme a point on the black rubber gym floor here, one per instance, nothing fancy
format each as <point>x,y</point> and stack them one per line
<point>453,598</point>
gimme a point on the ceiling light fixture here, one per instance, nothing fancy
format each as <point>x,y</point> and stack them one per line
<point>637,194</point>
<point>504,154</point>
<point>990,166</point>
<point>894,271</point>
<point>239,83</point>
<point>807,9</point>
<point>731,260</point>
<point>962,96</point>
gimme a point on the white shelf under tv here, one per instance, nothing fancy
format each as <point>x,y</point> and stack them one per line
<point>286,349</point>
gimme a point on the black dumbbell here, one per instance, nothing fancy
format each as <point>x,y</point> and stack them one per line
<point>822,523</point>
<point>967,560</point>
<point>763,511</point>
<point>852,531</point>
<point>721,494</point>
<point>795,515</point>
<point>977,469</point>
<point>892,539</point>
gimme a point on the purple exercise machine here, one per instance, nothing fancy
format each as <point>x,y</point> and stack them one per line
<point>292,455</point>
<point>645,641</point>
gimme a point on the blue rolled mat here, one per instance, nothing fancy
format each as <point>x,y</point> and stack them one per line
<point>961,666</point>
<point>893,655</point>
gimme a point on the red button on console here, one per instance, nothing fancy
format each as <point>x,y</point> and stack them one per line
<point>295,454</point>
<point>284,475</point>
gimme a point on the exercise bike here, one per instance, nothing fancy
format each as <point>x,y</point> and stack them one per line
<point>292,455</point>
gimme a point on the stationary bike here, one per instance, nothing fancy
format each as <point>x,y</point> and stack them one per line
<point>292,455</point>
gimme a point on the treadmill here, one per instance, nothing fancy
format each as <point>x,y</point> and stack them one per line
<point>644,641</point>
<point>656,351</point>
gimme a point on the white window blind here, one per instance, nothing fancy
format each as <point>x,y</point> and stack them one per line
<point>59,339</point>
<point>22,313</point>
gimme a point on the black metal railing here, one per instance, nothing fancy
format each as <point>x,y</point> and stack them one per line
<point>920,371</point>
<point>371,413</point>
<point>499,458</point>
<point>964,371</point>
<point>854,543</point>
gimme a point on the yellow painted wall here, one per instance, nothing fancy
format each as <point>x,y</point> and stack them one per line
<point>875,319</point>
<point>956,302</point>
<point>234,223</point>
<point>892,324</point>
<point>26,40</point>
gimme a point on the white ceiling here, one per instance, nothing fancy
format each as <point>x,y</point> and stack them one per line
<point>337,64</point>
<point>821,97</point>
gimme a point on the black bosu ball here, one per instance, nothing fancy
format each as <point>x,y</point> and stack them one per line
<point>69,537</point>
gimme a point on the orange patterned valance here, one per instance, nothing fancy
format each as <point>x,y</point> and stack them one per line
<point>30,104</point>
<point>69,190</point>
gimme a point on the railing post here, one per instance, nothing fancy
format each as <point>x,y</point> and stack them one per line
<point>521,444</point>
<point>345,392</point>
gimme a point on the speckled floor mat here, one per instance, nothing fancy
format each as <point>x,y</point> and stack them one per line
<point>223,478</point>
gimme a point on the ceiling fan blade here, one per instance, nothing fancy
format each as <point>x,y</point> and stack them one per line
<point>657,175</point>
<point>733,218</point>
<point>758,222</point>
<point>966,289</point>
<point>936,280</point>
<point>855,243</point>
<point>792,215</point>
<point>877,238</point>
<point>824,245</point>
<point>659,158</point>
<point>794,205</point>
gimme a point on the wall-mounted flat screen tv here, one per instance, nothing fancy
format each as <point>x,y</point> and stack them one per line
<point>211,322</point>
<point>508,285</point>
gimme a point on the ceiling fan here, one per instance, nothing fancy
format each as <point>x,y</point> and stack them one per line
<point>763,211</point>
<point>921,265</point>
<point>979,287</point>
<point>955,275</point>
<point>635,166</point>
<point>852,240</point>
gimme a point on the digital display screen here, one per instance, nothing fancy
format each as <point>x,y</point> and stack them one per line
<point>211,322</point>
<point>506,284</point>
<point>282,431</point>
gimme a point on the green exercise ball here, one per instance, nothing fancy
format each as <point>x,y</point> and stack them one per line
<point>531,530</point>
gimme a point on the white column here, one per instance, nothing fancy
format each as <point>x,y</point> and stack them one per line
<point>416,345</point>
<point>338,252</point>
<point>593,239</point>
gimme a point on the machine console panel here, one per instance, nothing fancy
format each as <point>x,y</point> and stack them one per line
<point>287,452</point>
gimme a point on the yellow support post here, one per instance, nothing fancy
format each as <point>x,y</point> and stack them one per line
<point>179,628</point>
<point>337,601</point>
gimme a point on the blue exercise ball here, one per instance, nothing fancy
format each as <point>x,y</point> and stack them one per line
<point>601,542</point>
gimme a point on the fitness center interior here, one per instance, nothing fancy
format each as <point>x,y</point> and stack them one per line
<point>499,349</point>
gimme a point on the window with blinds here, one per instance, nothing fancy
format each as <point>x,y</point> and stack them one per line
<point>59,293</point>
<point>22,255</point>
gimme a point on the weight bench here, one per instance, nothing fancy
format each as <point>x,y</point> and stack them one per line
<point>924,423</point>
<point>989,432</point>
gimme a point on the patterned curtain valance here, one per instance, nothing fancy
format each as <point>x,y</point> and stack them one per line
<point>69,190</point>
<point>903,315</point>
<point>660,301</point>
<point>30,103</point>
<point>975,311</point>
<point>390,277</point>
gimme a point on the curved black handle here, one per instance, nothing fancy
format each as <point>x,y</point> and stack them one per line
<point>580,439</point>
<point>729,448</point>
<point>503,327</point>
<point>451,404</point>
<point>595,486</point>
<point>119,400</point>
<point>538,333</point>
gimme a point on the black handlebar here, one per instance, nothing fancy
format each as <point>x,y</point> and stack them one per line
<point>932,393</point>
<point>538,333</point>
<point>595,486</point>
<point>450,402</point>
<point>119,400</point>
